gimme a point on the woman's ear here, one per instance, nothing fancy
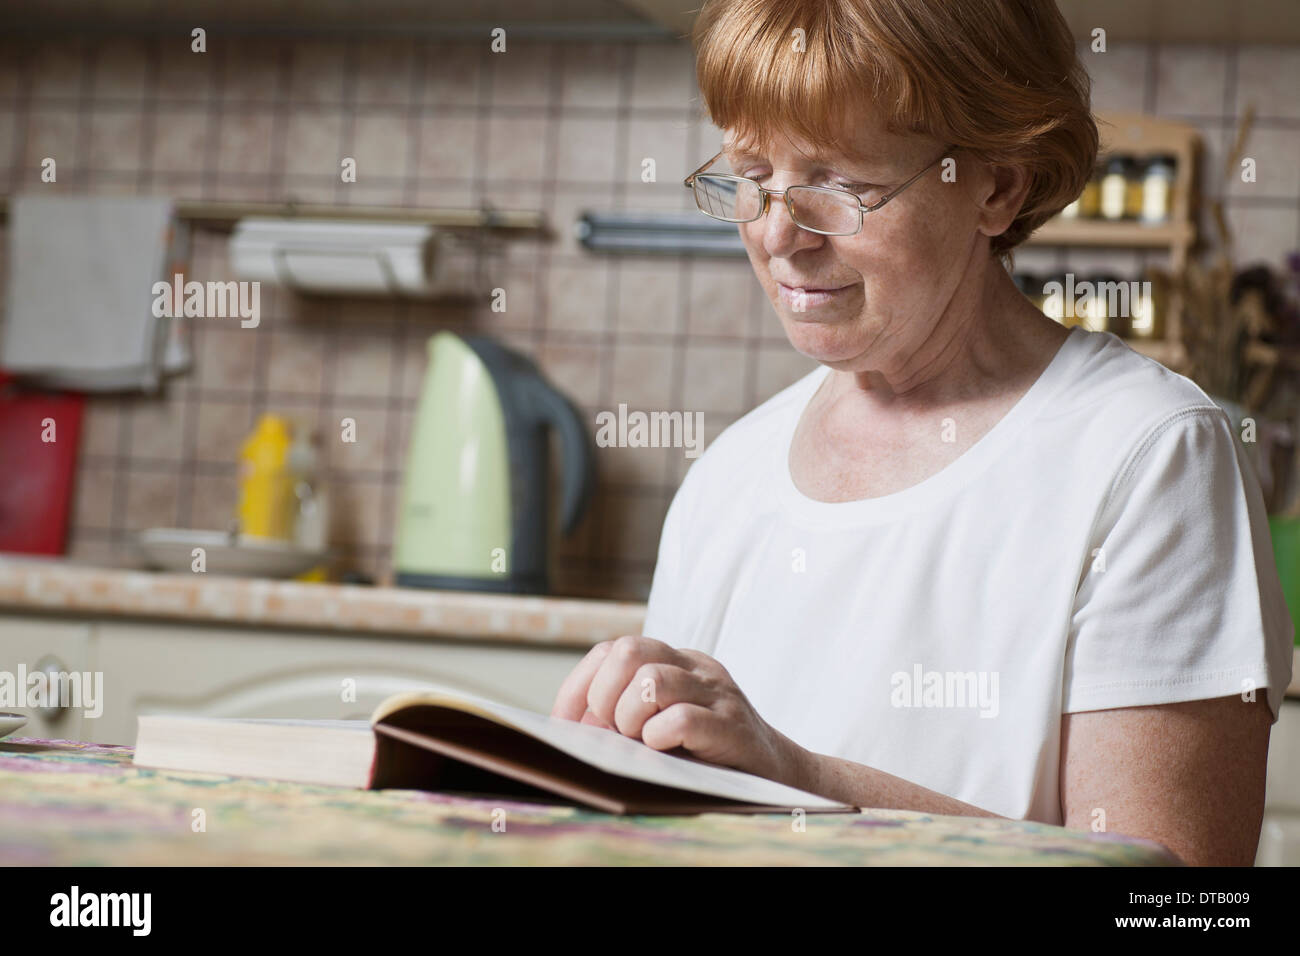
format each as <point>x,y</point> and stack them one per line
<point>1000,197</point>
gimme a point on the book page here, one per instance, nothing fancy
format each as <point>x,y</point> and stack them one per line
<point>612,752</point>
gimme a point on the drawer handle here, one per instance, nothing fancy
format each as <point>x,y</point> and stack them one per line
<point>52,667</point>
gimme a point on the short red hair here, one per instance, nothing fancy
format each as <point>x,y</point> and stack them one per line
<point>999,78</point>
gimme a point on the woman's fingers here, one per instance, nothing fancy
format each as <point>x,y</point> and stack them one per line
<point>687,725</point>
<point>653,687</point>
<point>617,669</point>
<point>571,700</point>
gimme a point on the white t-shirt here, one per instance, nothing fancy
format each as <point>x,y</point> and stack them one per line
<point>1103,545</point>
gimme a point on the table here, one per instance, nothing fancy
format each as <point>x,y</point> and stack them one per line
<point>70,803</point>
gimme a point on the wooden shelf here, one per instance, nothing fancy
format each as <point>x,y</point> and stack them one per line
<point>1102,232</point>
<point>1143,136</point>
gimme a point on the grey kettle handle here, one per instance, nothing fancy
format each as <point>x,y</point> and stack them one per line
<point>578,462</point>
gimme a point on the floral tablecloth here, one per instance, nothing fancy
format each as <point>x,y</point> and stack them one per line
<point>63,802</point>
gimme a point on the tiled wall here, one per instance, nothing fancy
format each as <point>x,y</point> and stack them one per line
<point>559,127</point>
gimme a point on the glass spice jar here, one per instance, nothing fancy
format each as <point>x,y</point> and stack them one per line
<point>1134,174</point>
<point>1147,305</point>
<point>1114,187</point>
<point>1095,311</point>
<point>1157,188</point>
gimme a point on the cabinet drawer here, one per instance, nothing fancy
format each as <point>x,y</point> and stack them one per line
<point>66,646</point>
<point>222,672</point>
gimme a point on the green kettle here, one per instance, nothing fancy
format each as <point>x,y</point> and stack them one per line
<point>475,512</point>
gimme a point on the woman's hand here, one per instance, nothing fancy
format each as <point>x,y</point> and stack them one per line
<point>667,698</point>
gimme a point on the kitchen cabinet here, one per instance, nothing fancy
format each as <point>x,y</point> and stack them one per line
<point>150,667</point>
<point>30,643</point>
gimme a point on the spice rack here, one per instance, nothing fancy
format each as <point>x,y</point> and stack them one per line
<point>1140,135</point>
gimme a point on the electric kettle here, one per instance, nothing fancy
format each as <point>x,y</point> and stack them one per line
<point>476,512</point>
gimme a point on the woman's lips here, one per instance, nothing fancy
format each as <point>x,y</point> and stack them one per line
<point>802,299</point>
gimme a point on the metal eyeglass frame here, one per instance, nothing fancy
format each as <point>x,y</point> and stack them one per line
<point>689,183</point>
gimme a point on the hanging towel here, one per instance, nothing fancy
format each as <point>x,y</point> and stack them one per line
<point>79,305</point>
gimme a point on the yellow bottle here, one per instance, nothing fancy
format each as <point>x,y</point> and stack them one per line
<point>266,500</point>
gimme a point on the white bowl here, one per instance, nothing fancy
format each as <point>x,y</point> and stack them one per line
<point>10,722</point>
<point>172,549</point>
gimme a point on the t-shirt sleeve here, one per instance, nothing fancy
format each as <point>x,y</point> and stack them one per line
<point>1180,598</point>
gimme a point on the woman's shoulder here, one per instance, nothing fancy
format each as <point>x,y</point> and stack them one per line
<point>1120,393</point>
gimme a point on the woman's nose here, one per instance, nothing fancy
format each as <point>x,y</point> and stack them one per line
<point>782,235</point>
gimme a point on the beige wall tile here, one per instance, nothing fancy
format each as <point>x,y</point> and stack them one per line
<point>385,72</point>
<point>225,356</point>
<point>318,72</point>
<point>1263,235</point>
<point>663,76</point>
<point>52,131</point>
<point>448,146</point>
<point>100,423</point>
<point>159,426</point>
<point>665,141</point>
<point>577,297</point>
<point>297,362</point>
<point>648,296</point>
<point>586,150</point>
<point>452,73</point>
<point>590,74</point>
<point>151,500</point>
<point>182,141</point>
<point>252,69</point>
<point>222,428</point>
<point>364,365</point>
<point>574,369</point>
<point>1277,164</point>
<point>1191,80</point>
<point>718,297</point>
<point>715,379</point>
<point>517,148</point>
<point>313,141</point>
<point>213,501</point>
<point>116,140</point>
<point>369,451</point>
<point>1119,76</point>
<point>92,500</point>
<point>121,65</point>
<point>55,68</point>
<point>183,75</point>
<point>244,143</point>
<point>521,76</point>
<point>643,376</point>
<point>1267,78</point>
<point>379,145</point>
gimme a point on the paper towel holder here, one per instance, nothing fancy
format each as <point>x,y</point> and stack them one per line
<point>360,258</point>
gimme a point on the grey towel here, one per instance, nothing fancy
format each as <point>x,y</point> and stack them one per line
<point>79,306</point>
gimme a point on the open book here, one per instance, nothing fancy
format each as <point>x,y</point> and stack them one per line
<point>449,740</point>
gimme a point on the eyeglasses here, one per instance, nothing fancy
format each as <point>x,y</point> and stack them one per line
<point>820,209</point>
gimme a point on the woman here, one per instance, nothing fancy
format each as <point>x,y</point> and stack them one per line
<point>976,563</point>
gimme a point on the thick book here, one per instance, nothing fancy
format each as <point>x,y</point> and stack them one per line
<point>446,740</point>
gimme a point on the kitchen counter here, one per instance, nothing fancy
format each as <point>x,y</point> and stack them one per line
<point>53,586</point>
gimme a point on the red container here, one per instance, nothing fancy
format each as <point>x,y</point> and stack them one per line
<point>36,474</point>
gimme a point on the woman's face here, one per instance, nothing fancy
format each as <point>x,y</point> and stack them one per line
<point>893,281</point>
